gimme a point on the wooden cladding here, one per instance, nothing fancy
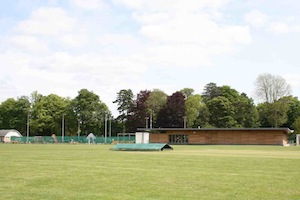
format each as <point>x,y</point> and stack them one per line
<point>252,137</point>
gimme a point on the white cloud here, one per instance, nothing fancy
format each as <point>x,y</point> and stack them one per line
<point>278,27</point>
<point>158,5</point>
<point>89,4</point>
<point>51,21</point>
<point>125,44</point>
<point>256,18</point>
<point>135,4</point>
<point>188,38</point>
<point>283,28</point>
<point>74,40</point>
<point>28,43</point>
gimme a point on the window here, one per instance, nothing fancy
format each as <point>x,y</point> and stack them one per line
<point>178,139</point>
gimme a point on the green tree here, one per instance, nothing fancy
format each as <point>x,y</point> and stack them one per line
<point>47,114</point>
<point>187,92</point>
<point>211,90</point>
<point>273,114</point>
<point>155,102</point>
<point>293,111</point>
<point>125,102</point>
<point>222,112</point>
<point>296,126</point>
<point>192,109</point>
<point>35,97</point>
<point>203,117</point>
<point>90,112</point>
<point>13,114</point>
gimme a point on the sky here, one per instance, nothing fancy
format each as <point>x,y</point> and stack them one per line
<point>62,46</point>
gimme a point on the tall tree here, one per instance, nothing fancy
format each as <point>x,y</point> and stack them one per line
<point>211,90</point>
<point>125,102</point>
<point>246,113</point>
<point>138,112</point>
<point>35,97</point>
<point>46,115</point>
<point>187,92</point>
<point>270,87</point>
<point>222,112</point>
<point>155,102</point>
<point>172,115</point>
<point>90,112</point>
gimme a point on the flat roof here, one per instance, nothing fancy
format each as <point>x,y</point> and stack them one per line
<point>214,129</point>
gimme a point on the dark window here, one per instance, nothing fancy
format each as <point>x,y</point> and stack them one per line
<point>178,139</point>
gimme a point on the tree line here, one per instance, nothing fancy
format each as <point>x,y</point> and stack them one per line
<point>217,106</point>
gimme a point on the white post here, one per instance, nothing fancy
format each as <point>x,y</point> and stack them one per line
<point>297,139</point>
<point>105,128</point>
<point>78,129</point>
<point>110,127</point>
<point>62,128</point>
<point>146,118</point>
<point>151,119</point>
<point>28,115</point>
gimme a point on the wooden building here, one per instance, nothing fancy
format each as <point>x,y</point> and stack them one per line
<point>238,136</point>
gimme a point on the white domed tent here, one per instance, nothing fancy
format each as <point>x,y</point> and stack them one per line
<point>5,135</point>
<point>91,138</point>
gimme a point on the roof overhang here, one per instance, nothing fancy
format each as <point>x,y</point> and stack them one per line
<point>286,130</point>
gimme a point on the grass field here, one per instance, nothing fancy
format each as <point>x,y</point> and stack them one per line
<point>188,172</point>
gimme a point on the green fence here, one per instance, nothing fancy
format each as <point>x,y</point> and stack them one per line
<point>74,139</point>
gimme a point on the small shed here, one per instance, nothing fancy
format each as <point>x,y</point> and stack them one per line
<point>5,135</point>
<point>142,137</point>
<point>141,147</point>
<point>91,138</point>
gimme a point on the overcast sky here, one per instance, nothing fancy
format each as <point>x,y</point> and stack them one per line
<point>62,46</point>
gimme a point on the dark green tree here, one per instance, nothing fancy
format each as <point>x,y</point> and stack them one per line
<point>124,101</point>
<point>273,114</point>
<point>296,125</point>
<point>246,113</point>
<point>211,90</point>
<point>222,112</point>
<point>294,110</point>
<point>203,117</point>
<point>13,114</point>
<point>138,112</point>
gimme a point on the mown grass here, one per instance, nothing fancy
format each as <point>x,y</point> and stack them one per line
<point>187,172</point>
